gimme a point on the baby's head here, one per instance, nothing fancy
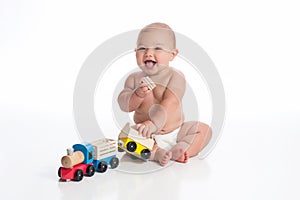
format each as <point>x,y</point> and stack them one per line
<point>156,46</point>
<point>157,33</point>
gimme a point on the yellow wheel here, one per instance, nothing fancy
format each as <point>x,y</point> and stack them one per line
<point>131,146</point>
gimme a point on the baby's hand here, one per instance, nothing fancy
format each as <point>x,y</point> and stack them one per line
<point>147,128</point>
<point>142,90</point>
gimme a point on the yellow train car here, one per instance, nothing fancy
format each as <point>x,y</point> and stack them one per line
<point>134,143</point>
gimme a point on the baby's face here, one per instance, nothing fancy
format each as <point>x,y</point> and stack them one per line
<point>155,49</point>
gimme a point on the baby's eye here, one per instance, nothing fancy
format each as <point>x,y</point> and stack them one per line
<point>141,49</point>
<point>158,48</point>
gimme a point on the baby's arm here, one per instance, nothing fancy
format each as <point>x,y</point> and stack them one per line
<point>131,97</point>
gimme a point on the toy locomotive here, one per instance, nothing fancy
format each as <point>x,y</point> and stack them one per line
<point>87,158</point>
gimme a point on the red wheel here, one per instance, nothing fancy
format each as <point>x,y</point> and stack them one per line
<point>59,172</point>
<point>78,176</point>
<point>90,171</point>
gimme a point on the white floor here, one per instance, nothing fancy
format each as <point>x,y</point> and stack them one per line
<point>255,47</point>
<point>255,159</point>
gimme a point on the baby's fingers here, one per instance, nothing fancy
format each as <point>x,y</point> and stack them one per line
<point>145,132</point>
<point>140,128</point>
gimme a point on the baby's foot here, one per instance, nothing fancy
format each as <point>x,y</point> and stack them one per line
<point>163,156</point>
<point>184,158</point>
<point>179,155</point>
<point>166,158</point>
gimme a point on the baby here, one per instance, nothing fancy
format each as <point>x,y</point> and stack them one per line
<point>158,112</point>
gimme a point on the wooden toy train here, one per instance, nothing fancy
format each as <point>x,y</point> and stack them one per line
<point>87,158</point>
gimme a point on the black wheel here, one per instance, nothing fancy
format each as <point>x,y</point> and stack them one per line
<point>131,146</point>
<point>59,172</point>
<point>145,153</point>
<point>102,167</point>
<point>78,176</point>
<point>90,171</point>
<point>114,162</point>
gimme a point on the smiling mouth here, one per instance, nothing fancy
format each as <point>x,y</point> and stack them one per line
<point>149,64</point>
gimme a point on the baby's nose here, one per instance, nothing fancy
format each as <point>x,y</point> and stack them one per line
<point>149,52</point>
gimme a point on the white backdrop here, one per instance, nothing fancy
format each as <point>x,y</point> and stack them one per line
<point>254,45</point>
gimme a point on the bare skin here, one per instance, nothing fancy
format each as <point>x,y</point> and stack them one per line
<point>159,110</point>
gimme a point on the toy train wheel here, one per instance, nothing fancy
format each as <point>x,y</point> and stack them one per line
<point>78,176</point>
<point>145,153</point>
<point>90,171</point>
<point>102,167</point>
<point>131,146</point>
<point>114,162</point>
<point>59,172</point>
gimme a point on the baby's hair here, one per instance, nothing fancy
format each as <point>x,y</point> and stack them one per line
<point>159,25</point>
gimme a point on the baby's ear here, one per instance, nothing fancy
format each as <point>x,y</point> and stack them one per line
<point>173,54</point>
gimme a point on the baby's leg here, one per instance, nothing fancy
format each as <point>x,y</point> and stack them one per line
<point>191,139</point>
<point>160,155</point>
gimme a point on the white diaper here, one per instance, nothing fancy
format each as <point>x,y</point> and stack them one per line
<point>166,141</point>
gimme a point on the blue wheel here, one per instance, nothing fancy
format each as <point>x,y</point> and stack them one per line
<point>114,162</point>
<point>102,167</point>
